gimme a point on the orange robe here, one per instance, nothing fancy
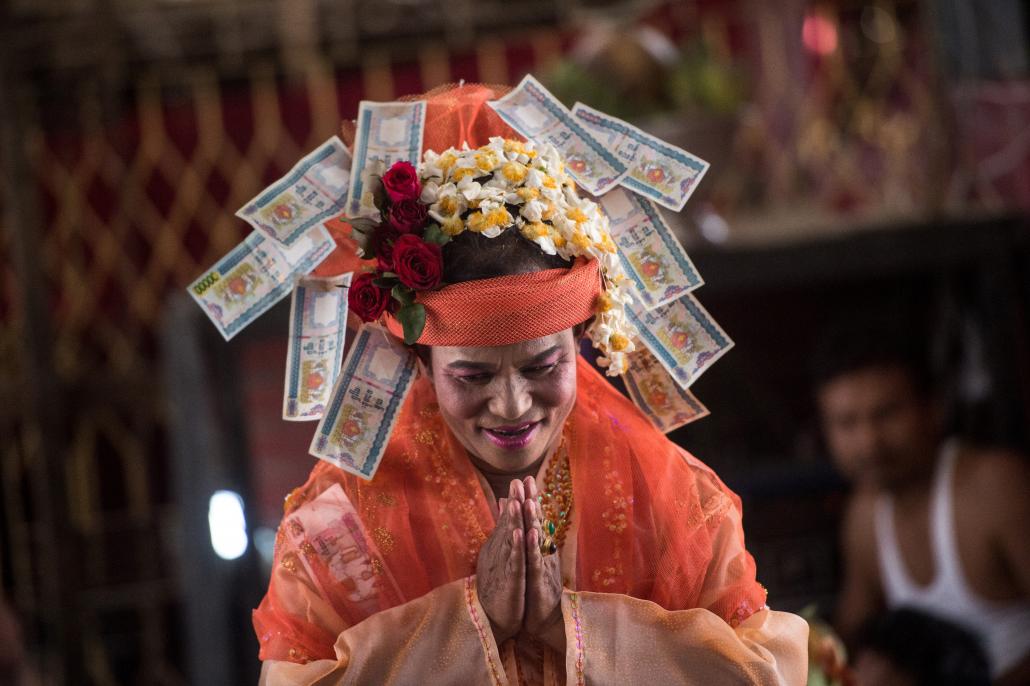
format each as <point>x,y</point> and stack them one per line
<point>374,582</point>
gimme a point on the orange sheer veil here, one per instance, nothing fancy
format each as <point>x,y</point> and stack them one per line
<point>652,521</point>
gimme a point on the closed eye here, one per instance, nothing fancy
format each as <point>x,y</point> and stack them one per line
<point>473,378</point>
<point>539,370</point>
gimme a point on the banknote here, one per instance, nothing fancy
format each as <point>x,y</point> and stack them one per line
<point>330,530</point>
<point>313,191</point>
<point>375,379</point>
<point>657,170</point>
<point>255,275</point>
<point>387,132</point>
<point>539,116</point>
<point>683,336</point>
<point>318,328</point>
<point>655,261</point>
<point>659,397</point>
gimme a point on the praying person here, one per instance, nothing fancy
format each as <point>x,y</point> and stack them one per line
<point>527,524</point>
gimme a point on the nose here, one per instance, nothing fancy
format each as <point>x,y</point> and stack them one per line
<point>511,400</point>
<point>863,437</point>
<point>868,441</point>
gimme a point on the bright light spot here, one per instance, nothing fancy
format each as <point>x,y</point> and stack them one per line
<point>713,227</point>
<point>878,25</point>
<point>819,34</point>
<point>228,525</point>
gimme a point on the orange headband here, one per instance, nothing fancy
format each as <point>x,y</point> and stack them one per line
<point>508,309</point>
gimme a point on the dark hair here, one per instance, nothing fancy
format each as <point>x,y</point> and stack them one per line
<point>931,650</point>
<point>857,344</point>
<point>470,256</point>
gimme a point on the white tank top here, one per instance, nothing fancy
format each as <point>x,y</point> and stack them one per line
<point>1004,628</point>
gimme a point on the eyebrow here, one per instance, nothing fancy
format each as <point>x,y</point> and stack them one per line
<point>479,366</point>
<point>540,357</point>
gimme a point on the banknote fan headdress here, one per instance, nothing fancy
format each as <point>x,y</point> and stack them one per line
<point>402,193</point>
<point>478,175</point>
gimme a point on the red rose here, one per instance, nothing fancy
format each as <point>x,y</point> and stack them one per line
<point>408,216</point>
<point>401,182</point>
<point>418,265</point>
<point>366,299</point>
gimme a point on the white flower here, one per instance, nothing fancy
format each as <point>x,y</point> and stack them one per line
<point>469,189</point>
<point>535,178</point>
<point>546,244</point>
<point>492,195</point>
<point>430,166</point>
<point>533,210</point>
<point>487,205</point>
<point>448,202</point>
<point>430,191</point>
<point>610,263</point>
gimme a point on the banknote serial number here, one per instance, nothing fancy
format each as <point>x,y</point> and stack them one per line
<point>206,283</point>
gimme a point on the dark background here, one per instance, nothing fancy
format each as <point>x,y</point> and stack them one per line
<point>867,156</point>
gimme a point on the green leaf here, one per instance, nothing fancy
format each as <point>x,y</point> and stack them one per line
<point>384,282</point>
<point>413,320</point>
<point>365,243</point>
<point>390,275</point>
<point>378,192</point>
<point>362,231</point>
<point>434,234</point>
<point>365,225</point>
<point>402,294</point>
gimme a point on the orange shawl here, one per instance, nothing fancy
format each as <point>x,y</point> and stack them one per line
<point>646,512</point>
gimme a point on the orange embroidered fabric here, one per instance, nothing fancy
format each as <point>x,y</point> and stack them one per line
<point>650,522</point>
<point>457,114</point>
<point>508,309</point>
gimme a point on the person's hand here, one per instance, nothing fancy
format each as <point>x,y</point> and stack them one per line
<point>501,568</point>
<point>543,617</point>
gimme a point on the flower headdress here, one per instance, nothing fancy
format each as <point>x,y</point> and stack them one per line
<point>504,185</point>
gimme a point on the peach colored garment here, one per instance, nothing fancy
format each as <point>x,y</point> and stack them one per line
<point>373,581</point>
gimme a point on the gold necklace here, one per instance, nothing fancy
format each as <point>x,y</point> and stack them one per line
<point>556,501</point>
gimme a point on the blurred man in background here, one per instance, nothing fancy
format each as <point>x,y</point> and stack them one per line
<point>932,524</point>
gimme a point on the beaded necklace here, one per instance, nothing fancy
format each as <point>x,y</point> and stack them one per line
<point>556,500</point>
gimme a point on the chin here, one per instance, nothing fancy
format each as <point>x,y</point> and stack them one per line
<point>509,461</point>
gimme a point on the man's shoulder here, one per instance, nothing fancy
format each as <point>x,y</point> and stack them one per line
<point>981,471</point>
<point>992,476</point>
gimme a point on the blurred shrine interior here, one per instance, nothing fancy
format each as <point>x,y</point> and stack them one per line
<point>866,156</point>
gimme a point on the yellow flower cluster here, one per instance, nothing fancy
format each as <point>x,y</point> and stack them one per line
<point>513,184</point>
